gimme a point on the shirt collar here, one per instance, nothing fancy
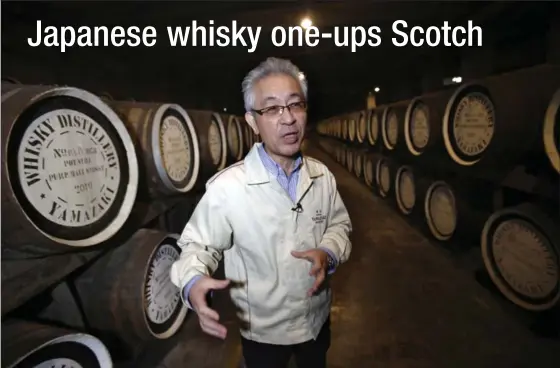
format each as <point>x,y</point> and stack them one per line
<point>272,166</point>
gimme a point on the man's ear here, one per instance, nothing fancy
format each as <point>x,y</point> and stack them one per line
<point>252,122</point>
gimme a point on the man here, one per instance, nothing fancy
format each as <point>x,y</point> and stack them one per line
<point>281,226</point>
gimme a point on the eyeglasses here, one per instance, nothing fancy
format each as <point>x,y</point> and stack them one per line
<point>294,108</point>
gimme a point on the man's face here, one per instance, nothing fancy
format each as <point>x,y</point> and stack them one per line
<point>281,133</point>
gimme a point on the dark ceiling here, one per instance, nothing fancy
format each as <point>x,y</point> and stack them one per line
<point>205,77</point>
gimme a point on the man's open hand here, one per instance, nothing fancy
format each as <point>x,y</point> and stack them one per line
<point>208,317</point>
<point>319,259</point>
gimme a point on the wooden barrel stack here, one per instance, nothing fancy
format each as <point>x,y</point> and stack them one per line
<point>95,192</point>
<point>465,163</point>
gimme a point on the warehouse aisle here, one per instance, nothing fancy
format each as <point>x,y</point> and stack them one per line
<point>399,302</point>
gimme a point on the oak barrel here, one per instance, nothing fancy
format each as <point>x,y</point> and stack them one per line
<point>374,126</point>
<point>384,173</point>
<point>405,189</point>
<point>361,133</point>
<point>497,122</point>
<point>30,344</point>
<point>521,251</point>
<point>212,142</point>
<point>235,138</point>
<point>457,207</point>
<point>392,123</point>
<point>344,128</point>
<point>369,170</point>
<point>358,164</point>
<point>70,171</point>
<point>166,139</point>
<point>551,131</point>
<point>350,159</point>
<point>127,294</point>
<point>352,127</point>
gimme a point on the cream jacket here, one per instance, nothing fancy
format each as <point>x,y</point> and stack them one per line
<point>246,217</point>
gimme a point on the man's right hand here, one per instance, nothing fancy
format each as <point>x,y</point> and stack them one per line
<point>207,317</point>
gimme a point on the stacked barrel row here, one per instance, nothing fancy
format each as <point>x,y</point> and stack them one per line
<point>84,180</point>
<point>475,163</point>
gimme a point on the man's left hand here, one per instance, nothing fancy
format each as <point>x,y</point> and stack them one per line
<point>320,261</point>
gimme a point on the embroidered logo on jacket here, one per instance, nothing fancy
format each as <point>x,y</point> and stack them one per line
<point>319,218</point>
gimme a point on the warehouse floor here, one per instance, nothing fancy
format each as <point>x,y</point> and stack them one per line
<point>400,301</point>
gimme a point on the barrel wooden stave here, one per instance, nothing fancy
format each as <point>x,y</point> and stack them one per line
<point>541,291</point>
<point>31,344</point>
<point>32,229</point>
<point>167,141</point>
<point>113,291</point>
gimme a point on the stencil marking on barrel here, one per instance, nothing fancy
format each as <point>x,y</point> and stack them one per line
<point>524,260</point>
<point>468,124</point>
<point>176,148</point>
<point>417,127</point>
<point>164,311</point>
<point>179,156</point>
<point>441,212</point>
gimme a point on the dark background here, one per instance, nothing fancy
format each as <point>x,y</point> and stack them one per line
<point>515,34</point>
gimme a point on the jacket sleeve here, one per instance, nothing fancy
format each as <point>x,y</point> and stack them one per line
<point>337,235</point>
<point>205,237</point>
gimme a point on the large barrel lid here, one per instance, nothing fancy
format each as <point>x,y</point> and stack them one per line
<point>521,251</point>
<point>373,127</point>
<point>175,147</point>
<point>164,310</point>
<point>71,163</point>
<point>390,128</point>
<point>441,210</point>
<point>417,126</point>
<point>469,123</point>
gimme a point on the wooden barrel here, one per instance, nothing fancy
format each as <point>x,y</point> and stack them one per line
<point>374,126</point>
<point>457,207</point>
<point>168,143</point>
<point>369,170</point>
<point>30,344</point>
<point>212,143</point>
<point>405,191</point>
<point>358,164</point>
<point>235,138</point>
<point>344,128</point>
<point>127,295</point>
<point>361,129</point>
<point>218,141</point>
<point>392,124</point>
<point>383,176</point>
<point>495,123</point>
<point>521,251</point>
<point>350,159</point>
<point>70,171</point>
<point>352,127</point>
<point>247,137</point>
<point>551,131</point>
<point>417,126</point>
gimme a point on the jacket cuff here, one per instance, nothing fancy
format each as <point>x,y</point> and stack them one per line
<point>187,289</point>
<point>331,255</point>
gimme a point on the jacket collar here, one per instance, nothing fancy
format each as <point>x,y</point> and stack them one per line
<point>257,174</point>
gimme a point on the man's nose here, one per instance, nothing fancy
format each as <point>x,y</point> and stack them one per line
<point>287,117</point>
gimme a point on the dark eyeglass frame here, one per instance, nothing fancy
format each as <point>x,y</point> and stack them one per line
<point>282,108</point>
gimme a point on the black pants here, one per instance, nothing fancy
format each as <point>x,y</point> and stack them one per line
<point>310,354</point>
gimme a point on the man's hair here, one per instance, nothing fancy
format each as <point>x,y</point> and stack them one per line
<point>268,67</point>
